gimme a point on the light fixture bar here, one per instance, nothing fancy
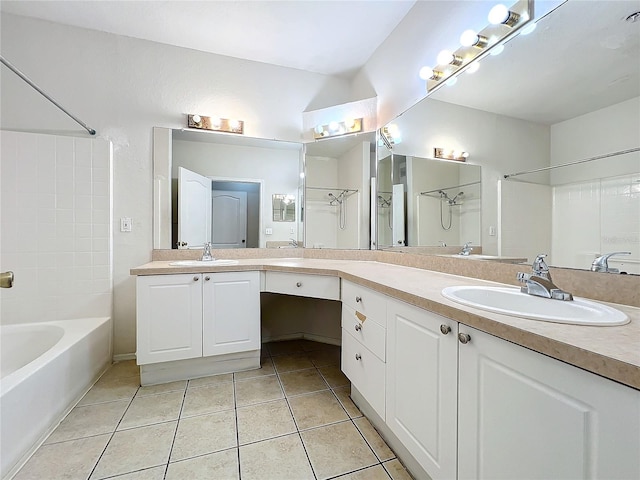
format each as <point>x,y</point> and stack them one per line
<point>215,124</point>
<point>448,154</point>
<point>336,129</point>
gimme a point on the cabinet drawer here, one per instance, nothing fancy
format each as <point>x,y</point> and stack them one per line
<point>303,285</point>
<point>366,301</point>
<point>370,334</point>
<point>366,372</point>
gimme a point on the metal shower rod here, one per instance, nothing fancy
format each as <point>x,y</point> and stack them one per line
<point>11,67</point>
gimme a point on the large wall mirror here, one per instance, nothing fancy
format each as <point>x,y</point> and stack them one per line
<point>337,192</point>
<point>222,188</point>
<point>563,105</point>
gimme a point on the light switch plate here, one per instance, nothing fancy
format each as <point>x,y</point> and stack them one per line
<point>268,231</point>
<point>492,231</point>
<point>125,224</point>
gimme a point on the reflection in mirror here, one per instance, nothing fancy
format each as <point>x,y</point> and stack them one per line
<point>337,183</point>
<point>233,180</point>
<point>531,110</point>
<point>284,208</point>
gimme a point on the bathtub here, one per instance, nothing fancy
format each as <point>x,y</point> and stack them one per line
<point>46,368</point>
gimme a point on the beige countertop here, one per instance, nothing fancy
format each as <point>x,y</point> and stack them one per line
<point>613,352</point>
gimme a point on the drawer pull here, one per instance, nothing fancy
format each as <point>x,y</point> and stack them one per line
<point>358,356</point>
<point>445,329</point>
<point>207,278</point>
<point>358,327</point>
<point>464,338</point>
<point>196,278</point>
<point>358,299</point>
<point>299,284</point>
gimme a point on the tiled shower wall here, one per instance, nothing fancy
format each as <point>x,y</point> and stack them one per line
<point>55,230</point>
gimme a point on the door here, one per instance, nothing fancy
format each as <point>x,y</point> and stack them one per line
<point>231,312</point>
<point>194,209</point>
<point>229,226</point>
<point>398,215</point>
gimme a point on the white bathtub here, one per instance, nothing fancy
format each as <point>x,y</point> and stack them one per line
<point>46,368</point>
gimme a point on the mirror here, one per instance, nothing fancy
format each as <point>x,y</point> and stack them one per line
<point>284,207</point>
<point>551,104</point>
<point>234,181</point>
<point>337,192</point>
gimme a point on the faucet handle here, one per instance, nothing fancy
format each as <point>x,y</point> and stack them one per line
<point>539,265</point>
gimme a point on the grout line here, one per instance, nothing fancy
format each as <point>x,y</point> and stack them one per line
<point>175,433</point>
<point>235,412</point>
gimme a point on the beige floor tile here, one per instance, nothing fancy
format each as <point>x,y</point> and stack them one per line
<point>111,389</point>
<point>333,376</point>
<point>150,409</point>
<point>209,399</point>
<point>264,421</point>
<point>155,473</point>
<point>337,449</point>
<point>265,370</point>
<point>258,390</point>
<point>67,460</point>
<point>373,438</point>
<point>310,345</point>
<point>88,421</point>
<point>126,368</point>
<point>136,449</point>
<point>212,380</point>
<point>219,465</point>
<point>396,470</point>
<point>376,472</point>
<point>204,434</point>
<point>285,347</point>
<point>329,355</point>
<point>343,394</point>
<point>303,381</point>
<point>289,363</point>
<point>316,409</point>
<point>281,458</point>
<point>180,385</point>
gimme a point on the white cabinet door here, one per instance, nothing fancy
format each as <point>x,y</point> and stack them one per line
<point>231,312</point>
<point>523,415</point>
<point>169,318</point>
<point>422,386</point>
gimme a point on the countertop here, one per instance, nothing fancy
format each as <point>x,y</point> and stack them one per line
<point>612,352</point>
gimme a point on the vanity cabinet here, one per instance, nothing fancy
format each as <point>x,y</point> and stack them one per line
<point>525,415</point>
<point>303,285</point>
<point>188,316</point>
<point>421,386</point>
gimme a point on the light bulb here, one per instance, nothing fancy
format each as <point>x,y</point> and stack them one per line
<point>234,124</point>
<point>216,122</point>
<point>498,14</point>
<point>468,38</point>
<point>334,126</point>
<point>426,73</point>
<point>444,57</point>
<point>301,174</point>
<point>196,118</point>
<point>497,50</point>
<point>473,67</point>
<point>465,155</point>
<point>319,129</point>
<point>350,122</point>
<point>528,29</point>
<point>393,130</point>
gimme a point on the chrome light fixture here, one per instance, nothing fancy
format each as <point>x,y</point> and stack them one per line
<point>335,129</point>
<point>215,124</point>
<point>448,154</point>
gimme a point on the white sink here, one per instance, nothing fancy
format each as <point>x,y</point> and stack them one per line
<point>511,301</point>
<point>203,263</point>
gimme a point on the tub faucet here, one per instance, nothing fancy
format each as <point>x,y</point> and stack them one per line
<point>466,249</point>
<point>539,283</point>
<point>206,254</point>
<point>6,279</point>
<point>601,264</point>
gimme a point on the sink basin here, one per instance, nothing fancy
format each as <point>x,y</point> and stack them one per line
<point>511,301</point>
<point>201,263</point>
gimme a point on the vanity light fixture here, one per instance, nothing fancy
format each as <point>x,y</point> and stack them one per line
<point>215,124</point>
<point>448,154</point>
<point>470,38</point>
<point>335,129</point>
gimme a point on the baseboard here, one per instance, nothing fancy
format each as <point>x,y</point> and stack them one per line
<point>121,357</point>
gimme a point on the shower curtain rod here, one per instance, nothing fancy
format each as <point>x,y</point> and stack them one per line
<point>449,188</point>
<point>591,159</point>
<point>44,94</point>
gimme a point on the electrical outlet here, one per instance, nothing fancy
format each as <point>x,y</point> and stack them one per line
<point>125,224</point>
<point>268,231</point>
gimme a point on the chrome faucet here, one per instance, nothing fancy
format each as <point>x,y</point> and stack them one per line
<point>601,264</point>
<point>293,243</point>
<point>206,254</point>
<point>539,283</point>
<point>466,249</point>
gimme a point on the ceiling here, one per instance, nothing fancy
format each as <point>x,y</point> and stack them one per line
<point>318,36</point>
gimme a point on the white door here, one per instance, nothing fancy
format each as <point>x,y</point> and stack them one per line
<point>229,228</point>
<point>398,215</point>
<point>422,388</point>
<point>194,209</point>
<point>231,312</point>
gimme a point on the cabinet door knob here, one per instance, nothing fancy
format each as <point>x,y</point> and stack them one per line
<point>207,278</point>
<point>358,356</point>
<point>358,299</point>
<point>358,327</point>
<point>299,284</point>
<point>445,329</point>
<point>464,338</point>
<point>196,278</point>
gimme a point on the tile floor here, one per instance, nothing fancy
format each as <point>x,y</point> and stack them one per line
<point>291,419</point>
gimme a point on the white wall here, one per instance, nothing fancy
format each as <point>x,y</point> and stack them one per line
<point>56,227</point>
<point>123,87</point>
